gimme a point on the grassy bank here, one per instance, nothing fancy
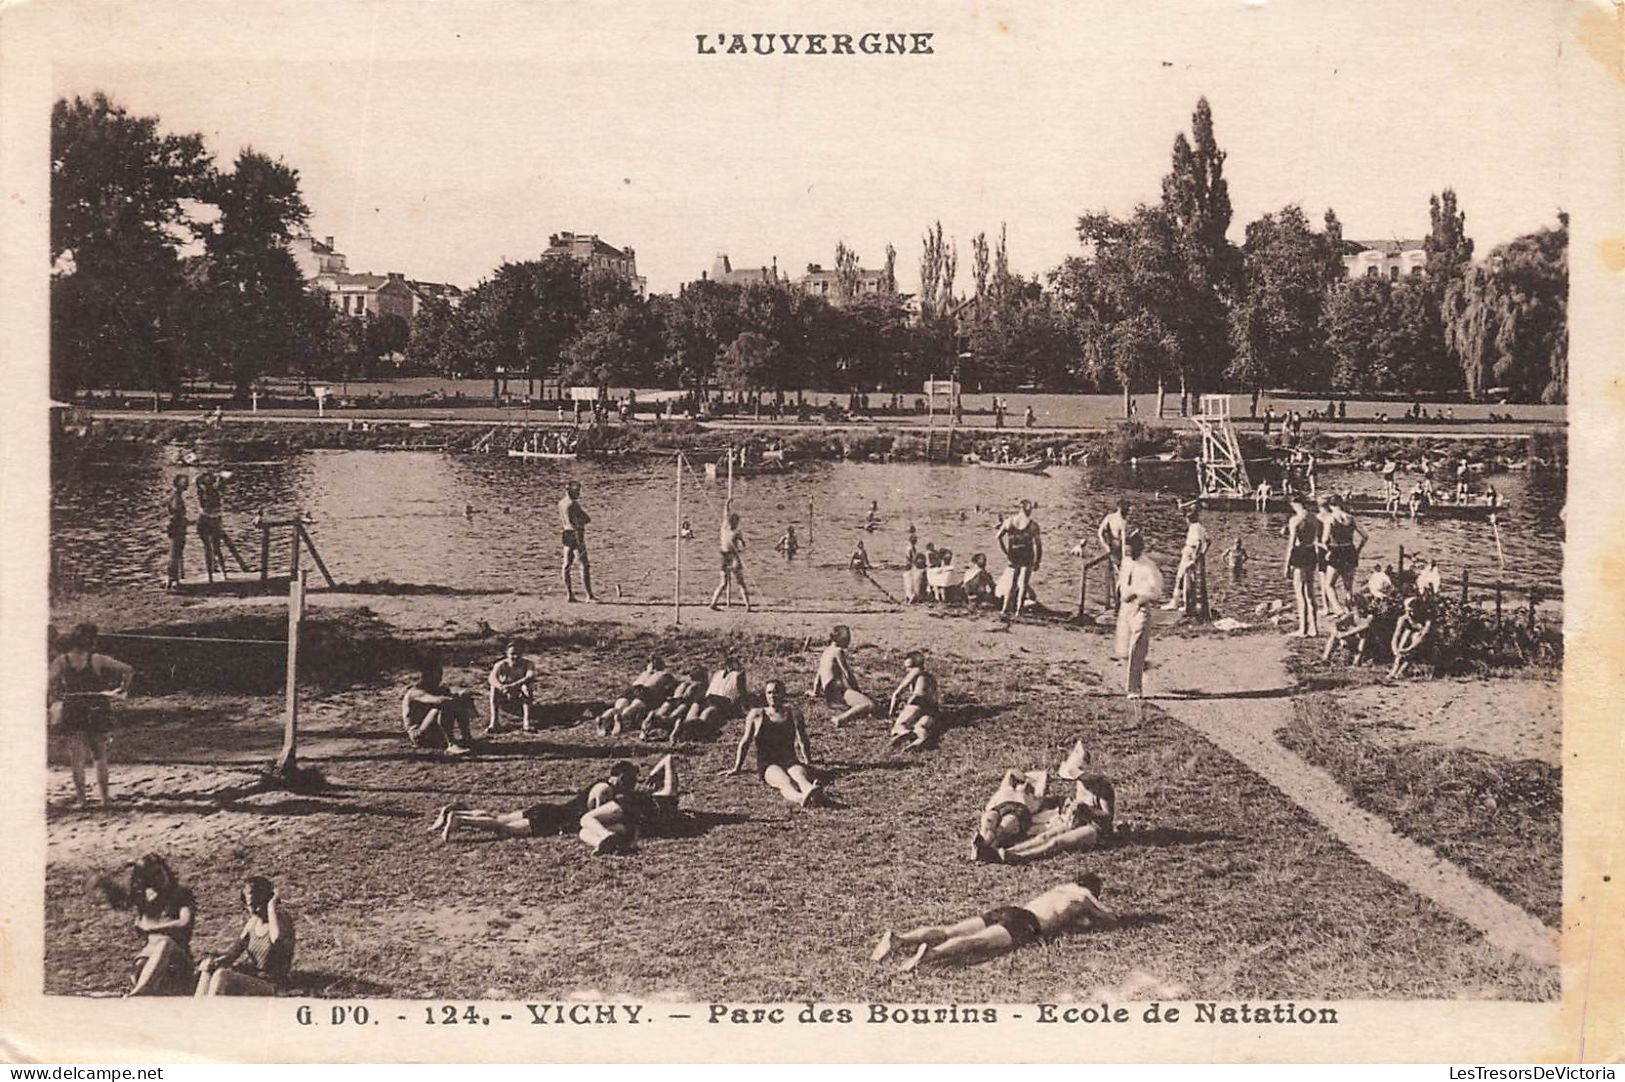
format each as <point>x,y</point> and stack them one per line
<point>1498,816</point>
<point>1227,897</point>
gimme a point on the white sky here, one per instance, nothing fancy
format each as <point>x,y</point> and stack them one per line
<point>439,139</point>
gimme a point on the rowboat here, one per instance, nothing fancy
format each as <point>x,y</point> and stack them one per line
<point>1022,465</point>
<point>1363,505</point>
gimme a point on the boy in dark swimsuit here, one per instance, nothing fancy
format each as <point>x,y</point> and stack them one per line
<point>1004,929</point>
<point>782,756</point>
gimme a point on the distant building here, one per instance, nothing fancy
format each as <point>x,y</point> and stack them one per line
<point>424,292</point>
<point>587,248</point>
<point>317,257</point>
<point>819,282</point>
<point>380,295</point>
<point>725,272</point>
<point>1391,259</point>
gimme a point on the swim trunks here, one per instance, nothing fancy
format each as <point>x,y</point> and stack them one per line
<point>572,539</point>
<point>1022,924</point>
<point>726,706</point>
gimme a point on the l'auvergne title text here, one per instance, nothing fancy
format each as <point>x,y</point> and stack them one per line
<point>872,43</point>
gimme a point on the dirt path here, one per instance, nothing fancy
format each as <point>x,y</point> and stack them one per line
<point>1239,707</point>
<point>1235,692</point>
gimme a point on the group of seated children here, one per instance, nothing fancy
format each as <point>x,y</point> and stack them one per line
<point>1403,601</point>
<point>931,575</point>
<point>609,814</point>
<point>1023,821</point>
<point>258,963</point>
<point>664,706</point>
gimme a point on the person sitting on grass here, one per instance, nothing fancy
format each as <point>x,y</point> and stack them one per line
<point>723,701</point>
<point>783,759</point>
<point>512,681</point>
<point>435,716</point>
<point>164,913</point>
<point>836,683</point>
<point>648,689</point>
<point>1352,629</point>
<point>616,818</point>
<point>1411,631</point>
<point>979,586</point>
<point>259,963</point>
<point>1002,930</point>
<point>915,705</point>
<point>1084,821</point>
<point>859,560</point>
<point>689,694</point>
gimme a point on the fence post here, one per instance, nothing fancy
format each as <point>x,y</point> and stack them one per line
<point>289,757</point>
<point>1201,568</point>
<point>1402,558</point>
<point>1498,604</point>
<point>1464,582</point>
<point>1534,599</point>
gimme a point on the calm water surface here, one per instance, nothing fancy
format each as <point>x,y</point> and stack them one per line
<point>398,516</point>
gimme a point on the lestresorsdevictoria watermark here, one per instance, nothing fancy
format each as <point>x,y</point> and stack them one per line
<point>868,43</point>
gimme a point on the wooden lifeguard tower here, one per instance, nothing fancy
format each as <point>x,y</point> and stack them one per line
<point>1220,470</point>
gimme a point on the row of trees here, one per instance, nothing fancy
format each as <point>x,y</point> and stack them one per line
<point>167,266</point>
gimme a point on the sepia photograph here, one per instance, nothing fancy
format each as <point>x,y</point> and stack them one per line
<point>935,520</point>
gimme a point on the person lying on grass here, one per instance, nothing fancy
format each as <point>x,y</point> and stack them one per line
<point>919,719</point>
<point>782,756</point>
<point>1351,629</point>
<point>631,807</point>
<point>1083,821</point>
<point>259,963</point>
<point>723,701</point>
<point>648,689</point>
<point>1002,930</point>
<point>688,694</point>
<point>1411,631</point>
<point>639,805</point>
<point>836,683</point>
<point>512,685</point>
<point>435,716</point>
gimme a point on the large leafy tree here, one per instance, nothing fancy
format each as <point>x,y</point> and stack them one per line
<point>259,317</point>
<point>1277,330</point>
<point>121,193</point>
<point>1196,200</point>
<point>1506,322</point>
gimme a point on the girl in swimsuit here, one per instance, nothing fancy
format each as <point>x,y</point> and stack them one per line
<point>165,911</point>
<point>1343,539</point>
<point>258,964</point>
<point>82,685</point>
<point>782,758</point>
<point>209,526</point>
<point>175,527</point>
<point>1299,566</point>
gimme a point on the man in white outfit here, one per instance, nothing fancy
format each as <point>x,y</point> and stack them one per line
<point>1139,588</point>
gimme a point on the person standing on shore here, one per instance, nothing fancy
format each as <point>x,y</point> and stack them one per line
<point>1111,533</point>
<point>1019,537</point>
<point>573,519</point>
<point>175,527</point>
<point>731,544</point>
<point>1299,565</point>
<point>1139,588</point>
<point>81,686</point>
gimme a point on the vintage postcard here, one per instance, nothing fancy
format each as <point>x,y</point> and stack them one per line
<point>913,532</point>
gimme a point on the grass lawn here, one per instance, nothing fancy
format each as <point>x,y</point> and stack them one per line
<point>1498,817</point>
<point>1238,895</point>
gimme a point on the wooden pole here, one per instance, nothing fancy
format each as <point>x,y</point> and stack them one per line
<point>290,725</point>
<point>677,549</point>
<point>293,548</point>
<point>310,544</point>
<point>265,551</point>
<point>1464,582</point>
<point>809,521</point>
<point>1498,604</point>
<point>1402,557</point>
<point>1201,570</point>
<point>1499,555</point>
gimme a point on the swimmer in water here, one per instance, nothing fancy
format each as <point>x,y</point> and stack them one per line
<point>874,516</point>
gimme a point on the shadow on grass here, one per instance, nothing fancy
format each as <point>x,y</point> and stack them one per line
<point>1284,692</point>
<point>332,985</point>
<point>415,589</point>
<point>1162,837</point>
<point>695,824</point>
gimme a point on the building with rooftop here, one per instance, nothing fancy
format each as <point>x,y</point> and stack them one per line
<point>589,249</point>
<point>1391,259</point>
